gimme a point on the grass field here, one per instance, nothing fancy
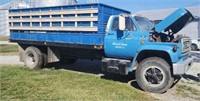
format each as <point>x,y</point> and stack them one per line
<point>8,49</point>
<point>187,91</point>
<point>4,38</point>
<point>19,83</point>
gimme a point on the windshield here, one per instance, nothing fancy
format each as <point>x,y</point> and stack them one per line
<point>145,24</point>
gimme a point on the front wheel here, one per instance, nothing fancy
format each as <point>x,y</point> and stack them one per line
<point>153,74</point>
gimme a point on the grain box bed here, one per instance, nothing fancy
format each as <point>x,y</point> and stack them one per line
<point>82,24</point>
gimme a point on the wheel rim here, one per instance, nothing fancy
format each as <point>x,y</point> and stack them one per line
<point>154,76</point>
<point>30,59</point>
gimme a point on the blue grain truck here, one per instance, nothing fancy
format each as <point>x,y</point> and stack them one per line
<point>123,42</point>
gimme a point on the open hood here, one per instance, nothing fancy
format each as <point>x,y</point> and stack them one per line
<point>174,22</point>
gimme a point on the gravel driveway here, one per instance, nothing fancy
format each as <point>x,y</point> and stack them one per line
<point>10,60</point>
<point>7,43</point>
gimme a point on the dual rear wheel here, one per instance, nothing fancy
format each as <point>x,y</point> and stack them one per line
<point>34,58</point>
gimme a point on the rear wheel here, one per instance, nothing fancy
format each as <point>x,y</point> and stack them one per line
<point>153,74</point>
<point>194,47</point>
<point>33,58</point>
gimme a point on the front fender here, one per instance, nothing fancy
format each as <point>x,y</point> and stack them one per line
<point>164,47</point>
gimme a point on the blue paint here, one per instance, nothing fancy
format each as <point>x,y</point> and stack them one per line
<point>129,43</point>
<point>16,24</point>
<point>35,24</point>
<point>35,16</point>
<point>16,17</point>
<point>68,24</point>
<point>56,24</point>
<point>56,16</point>
<point>174,22</point>
<point>25,23</point>
<point>84,23</point>
<point>88,38</point>
<point>47,24</point>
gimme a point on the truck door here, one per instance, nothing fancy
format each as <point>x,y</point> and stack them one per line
<point>120,43</point>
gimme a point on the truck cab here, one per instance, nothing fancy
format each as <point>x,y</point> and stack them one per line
<point>135,43</point>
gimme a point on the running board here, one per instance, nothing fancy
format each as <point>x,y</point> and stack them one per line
<point>117,66</point>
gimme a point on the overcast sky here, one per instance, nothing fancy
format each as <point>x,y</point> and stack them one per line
<point>137,5</point>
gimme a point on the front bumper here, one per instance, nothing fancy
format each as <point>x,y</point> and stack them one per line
<point>181,68</point>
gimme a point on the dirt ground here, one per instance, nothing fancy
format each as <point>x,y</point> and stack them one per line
<point>190,80</point>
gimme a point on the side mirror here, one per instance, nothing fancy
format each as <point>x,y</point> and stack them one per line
<point>122,23</point>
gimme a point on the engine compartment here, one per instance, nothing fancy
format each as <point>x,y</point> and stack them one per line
<point>166,37</point>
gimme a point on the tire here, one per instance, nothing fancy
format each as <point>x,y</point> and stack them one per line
<point>194,47</point>
<point>153,75</point>
<point>33,58</point>
<point>68,61</point>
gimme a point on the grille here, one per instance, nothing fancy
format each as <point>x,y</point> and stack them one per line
<point>186,43</point>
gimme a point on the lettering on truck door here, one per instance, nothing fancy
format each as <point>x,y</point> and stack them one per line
<point>121,43</point>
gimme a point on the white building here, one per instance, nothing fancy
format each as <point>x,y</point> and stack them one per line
<point>192,30</point>
<point>4,25</point>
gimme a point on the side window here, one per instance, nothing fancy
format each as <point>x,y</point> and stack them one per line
<point>129,24</point>
<point>115,25</point>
